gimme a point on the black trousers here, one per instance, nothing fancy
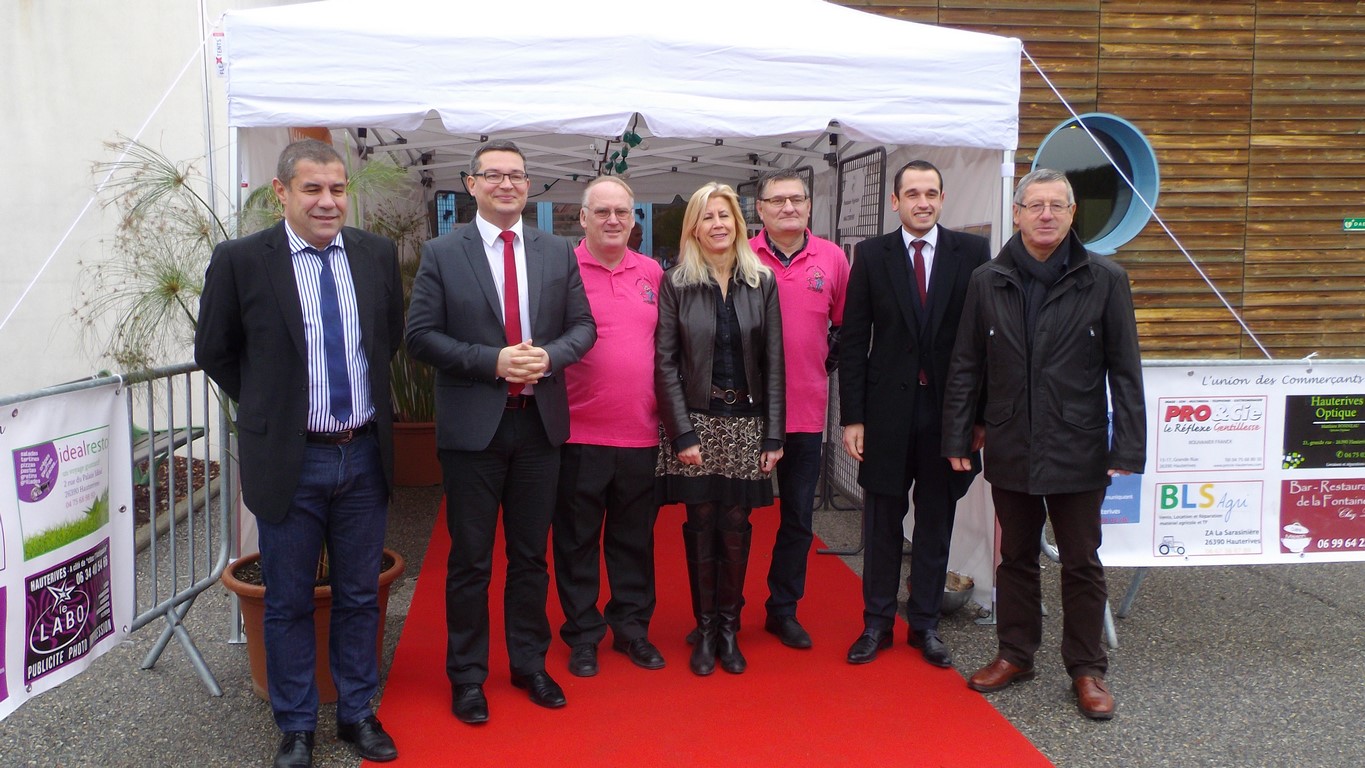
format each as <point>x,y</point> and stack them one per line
<point>606,504</point>
<point>884,515</point>
<point>797,475</point>
<point>1019,598</point>
<point>517,472</point>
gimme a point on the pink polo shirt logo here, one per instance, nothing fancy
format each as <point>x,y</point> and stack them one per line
<point>646,291</point>
<point>815,279</point>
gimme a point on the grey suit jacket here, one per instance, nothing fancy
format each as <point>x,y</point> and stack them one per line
<point>455,325</point>
<point>249,340</point>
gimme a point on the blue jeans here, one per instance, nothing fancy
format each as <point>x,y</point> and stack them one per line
<point>341,499</point>
<point>797,474</point>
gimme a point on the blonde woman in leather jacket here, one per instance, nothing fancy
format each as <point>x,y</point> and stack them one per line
<point>719,379</point>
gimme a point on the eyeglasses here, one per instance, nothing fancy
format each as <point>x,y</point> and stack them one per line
<point>496,177</point>
<point>781,202</point>
<point>1036,209</point>
<point>605,214</point>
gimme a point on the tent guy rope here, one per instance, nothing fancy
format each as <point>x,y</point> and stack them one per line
<point>99,188</point>
<point>1156,216</point>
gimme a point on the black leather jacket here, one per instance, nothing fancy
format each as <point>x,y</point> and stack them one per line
<point>683,347</point>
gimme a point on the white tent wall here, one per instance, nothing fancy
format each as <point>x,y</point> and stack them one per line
<point>430,80</point>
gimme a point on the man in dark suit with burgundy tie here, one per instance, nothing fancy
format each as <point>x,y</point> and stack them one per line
<point>905,296</point>
<point>297,324</point>
<point>498,309</point>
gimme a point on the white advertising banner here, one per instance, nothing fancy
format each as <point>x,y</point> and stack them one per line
<point>66,537</point>
<point>1246,463</point>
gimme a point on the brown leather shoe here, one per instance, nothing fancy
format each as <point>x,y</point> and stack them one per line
<point>1093,697</point>
<point>998,675</point>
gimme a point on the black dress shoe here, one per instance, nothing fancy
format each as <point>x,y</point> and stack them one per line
<point>468,704</point>
<point>583,660</point>
<point>543,689</point>
<point>788,630</point>
<point>296,750</point>
<point>932,646</point>
<point>369,738</point>
<point>640,651</point>
<point>865,648</point>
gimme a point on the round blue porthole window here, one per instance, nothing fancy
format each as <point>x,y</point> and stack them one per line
<point>1108,214</point>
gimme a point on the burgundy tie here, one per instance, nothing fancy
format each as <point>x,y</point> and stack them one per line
<point>921,279</point>
<point>511,306</point>
<point>921,282</point>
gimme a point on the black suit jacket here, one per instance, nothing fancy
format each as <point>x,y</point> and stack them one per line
<point>249,340</point>
<point>455,325</point>
<point>881,342</point>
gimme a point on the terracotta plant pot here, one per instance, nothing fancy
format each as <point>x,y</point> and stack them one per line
<point>414,454</point>
<point>251,597</point>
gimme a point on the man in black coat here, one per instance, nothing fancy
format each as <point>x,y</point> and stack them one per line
<point>1048,342</point>
<point>905,296</point>
<point>297,324</point>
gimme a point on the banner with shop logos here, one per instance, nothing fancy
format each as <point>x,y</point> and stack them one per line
<point>66,537</point>
<point>1246,463</point>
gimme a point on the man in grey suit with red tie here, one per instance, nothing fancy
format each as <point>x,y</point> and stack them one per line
<point>905,296</point>
<point>498,309</point>
<point>297,324</point>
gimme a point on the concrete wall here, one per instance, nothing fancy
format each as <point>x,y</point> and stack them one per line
<point>78,74</point>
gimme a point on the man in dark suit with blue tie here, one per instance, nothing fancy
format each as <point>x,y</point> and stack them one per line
<point>297,324</point>
<point>498,309</point>
<point>905,296</point>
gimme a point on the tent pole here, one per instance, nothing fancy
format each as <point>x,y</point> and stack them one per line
<point>1003,232</point>
<point>205,62</point>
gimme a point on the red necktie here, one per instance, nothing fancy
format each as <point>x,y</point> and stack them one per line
<point>511,306</point>
<point>921,279</point>
<point>921,282</point>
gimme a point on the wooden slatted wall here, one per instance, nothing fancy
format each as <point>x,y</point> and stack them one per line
<point>1256,111</point>
<point>1305,277</point>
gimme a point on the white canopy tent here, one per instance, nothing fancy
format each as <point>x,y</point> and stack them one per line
<point>705,68</point>
<point>667,95</point>
<point>716,88</point>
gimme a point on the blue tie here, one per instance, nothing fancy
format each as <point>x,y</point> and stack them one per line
<point>333,341</point>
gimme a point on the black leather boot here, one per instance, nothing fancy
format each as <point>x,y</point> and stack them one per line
<point>734,561</point>
<point>700,546</point>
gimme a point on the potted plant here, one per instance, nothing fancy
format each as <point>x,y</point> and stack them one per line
<point>243,578</point>
<point>413,382</point>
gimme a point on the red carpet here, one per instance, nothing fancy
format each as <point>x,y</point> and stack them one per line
<point>791,708</point>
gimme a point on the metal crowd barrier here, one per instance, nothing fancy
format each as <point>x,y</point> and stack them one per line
<point>839,487</point>
<point>182,550</point>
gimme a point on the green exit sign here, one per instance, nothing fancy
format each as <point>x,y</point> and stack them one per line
<point>1353,225</point>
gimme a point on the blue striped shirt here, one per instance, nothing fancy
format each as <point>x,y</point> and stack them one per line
<point>307,271</point>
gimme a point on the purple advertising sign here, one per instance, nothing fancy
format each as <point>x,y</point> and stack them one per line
<point>69,611</point>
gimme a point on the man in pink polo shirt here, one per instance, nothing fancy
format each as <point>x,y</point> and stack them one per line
<point>812,275</point>
<point>606,477</point>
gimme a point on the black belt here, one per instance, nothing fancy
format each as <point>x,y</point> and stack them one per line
<point>518,402</point>
<point>730,396</point>
<point>340,438</point>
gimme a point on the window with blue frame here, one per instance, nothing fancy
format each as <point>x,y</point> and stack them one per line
<point>1108,213</point>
